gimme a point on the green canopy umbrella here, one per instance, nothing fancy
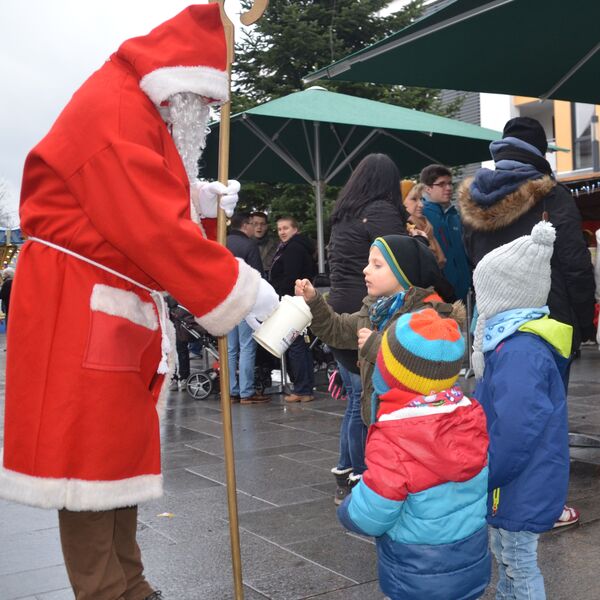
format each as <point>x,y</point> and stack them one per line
<point>316,137</point>
<point>538,48</point>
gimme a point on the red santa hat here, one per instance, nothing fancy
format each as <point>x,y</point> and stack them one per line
<point>187,53</point>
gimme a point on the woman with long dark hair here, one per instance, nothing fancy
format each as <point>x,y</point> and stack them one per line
<point>368,206</point>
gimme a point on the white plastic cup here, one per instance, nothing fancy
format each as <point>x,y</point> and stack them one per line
<point>289,320</point>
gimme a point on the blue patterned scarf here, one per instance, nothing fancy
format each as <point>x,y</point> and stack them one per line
<point>504,324</point>
<point>383,309</point>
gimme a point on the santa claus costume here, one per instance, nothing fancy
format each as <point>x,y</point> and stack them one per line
<point>106,205</point>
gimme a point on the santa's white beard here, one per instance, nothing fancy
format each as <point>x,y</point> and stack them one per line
<point>188,116</point>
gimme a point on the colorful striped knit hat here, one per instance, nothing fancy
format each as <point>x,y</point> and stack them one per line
<point>422,352</point>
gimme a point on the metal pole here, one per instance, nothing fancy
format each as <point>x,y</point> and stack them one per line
<point>595,148</point>
<point>319,201</point>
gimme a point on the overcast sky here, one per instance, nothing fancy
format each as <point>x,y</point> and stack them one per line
<point>47,50</point>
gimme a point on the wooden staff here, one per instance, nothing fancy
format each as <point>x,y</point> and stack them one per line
<point>246,18</point>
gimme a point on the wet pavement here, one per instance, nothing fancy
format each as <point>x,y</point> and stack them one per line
<point>292,545</point>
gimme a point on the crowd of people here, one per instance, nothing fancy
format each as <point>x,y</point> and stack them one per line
<point>402,258</point>
<point>443,481</point>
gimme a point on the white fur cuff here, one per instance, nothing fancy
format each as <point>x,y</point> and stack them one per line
<point>224,317</point>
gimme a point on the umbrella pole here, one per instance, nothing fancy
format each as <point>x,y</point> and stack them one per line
<point>224,134</point>
<point>319,184</point>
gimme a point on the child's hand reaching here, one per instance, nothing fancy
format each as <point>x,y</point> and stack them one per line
<point>305,289</point>
<point>363,335</point>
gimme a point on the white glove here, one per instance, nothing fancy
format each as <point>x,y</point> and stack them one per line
<point>205,195</point>
<point>266,302</point>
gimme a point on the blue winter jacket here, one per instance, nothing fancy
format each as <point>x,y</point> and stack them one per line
<point>424,496</point>
<point>447,229</point>
<point>524,399</point>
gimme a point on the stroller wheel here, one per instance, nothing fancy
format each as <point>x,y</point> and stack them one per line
<point>199,386</point>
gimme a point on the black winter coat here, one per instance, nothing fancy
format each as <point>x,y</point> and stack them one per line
<point>295,262</point>
<point>241,246</point>
<point>348,252</point>
<point>571,299</point>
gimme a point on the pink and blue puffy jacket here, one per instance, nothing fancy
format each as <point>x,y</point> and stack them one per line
<point>424,497</point>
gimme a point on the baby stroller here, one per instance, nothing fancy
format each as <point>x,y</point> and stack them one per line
<point>202,384</point>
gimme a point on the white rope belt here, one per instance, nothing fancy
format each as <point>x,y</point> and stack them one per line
<point>156,296</point>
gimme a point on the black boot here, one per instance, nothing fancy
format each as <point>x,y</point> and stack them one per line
<point>343,484</point>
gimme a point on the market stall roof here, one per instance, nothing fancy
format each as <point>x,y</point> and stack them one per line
<point>537,48</point>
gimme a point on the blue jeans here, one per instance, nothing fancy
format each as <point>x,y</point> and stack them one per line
<point>241,344</point>
<point>353,433</point>
<point>301,366</point>
<point>519,577</point>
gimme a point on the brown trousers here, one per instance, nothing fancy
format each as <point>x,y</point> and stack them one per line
<point>101,554</point>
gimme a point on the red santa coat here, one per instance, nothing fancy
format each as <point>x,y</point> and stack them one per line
<point>107,182</point>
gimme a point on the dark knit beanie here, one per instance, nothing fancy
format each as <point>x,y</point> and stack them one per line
<point>411,261</point>
<point>422,352</point>
<point>529,130</point>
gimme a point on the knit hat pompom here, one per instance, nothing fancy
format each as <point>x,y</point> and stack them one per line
<point>517,274</point>
<point>422,352</point>
<point>543,233</point>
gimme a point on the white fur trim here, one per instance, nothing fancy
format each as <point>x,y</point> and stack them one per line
<point>76,494</point>
<point>121,303</point>
<point>224,317</point>
<point>161,404</point>
<point>423,411</point>
<point>204,81</point>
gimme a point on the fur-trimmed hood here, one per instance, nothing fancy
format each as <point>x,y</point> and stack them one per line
<point>505,211</point>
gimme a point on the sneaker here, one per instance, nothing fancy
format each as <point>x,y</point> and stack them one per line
<point>183,385</point>
<point>256,399</point>
<point>234,398</point>
<point>569,516</point>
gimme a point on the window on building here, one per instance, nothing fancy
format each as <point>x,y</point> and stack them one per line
<point>582,135</point>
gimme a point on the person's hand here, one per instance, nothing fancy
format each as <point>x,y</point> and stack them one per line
<point>205,195</point>
<point>363,335</point>
<point>266,302</point>
<point>414,232</point>
<point>304,288</point>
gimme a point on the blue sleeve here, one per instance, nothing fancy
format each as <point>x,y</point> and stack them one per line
<point>521,408</point>
<point>366,512</point>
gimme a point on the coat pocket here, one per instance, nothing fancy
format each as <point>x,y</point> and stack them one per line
<point>122,326</point>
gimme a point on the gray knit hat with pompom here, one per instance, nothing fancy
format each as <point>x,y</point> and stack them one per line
<point>516,275</point>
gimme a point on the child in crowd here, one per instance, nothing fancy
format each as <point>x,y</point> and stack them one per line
<point>400,277</point>
<point>424,493</point>
<point>520,354</point>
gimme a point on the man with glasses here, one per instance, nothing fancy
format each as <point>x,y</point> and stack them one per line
<point>447,228</point>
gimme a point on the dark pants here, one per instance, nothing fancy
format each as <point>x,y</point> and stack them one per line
<point>183,358</point>
<point>101,554</point>
<point>301,367</point>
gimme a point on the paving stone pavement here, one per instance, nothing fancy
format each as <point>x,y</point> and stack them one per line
<point>292,545</point>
